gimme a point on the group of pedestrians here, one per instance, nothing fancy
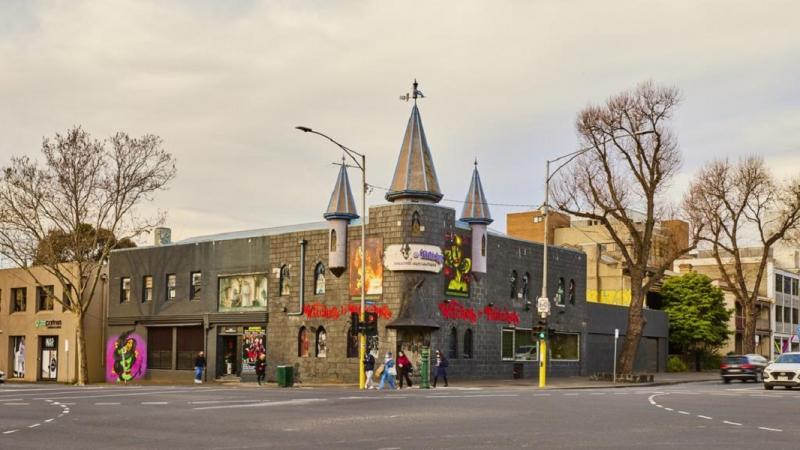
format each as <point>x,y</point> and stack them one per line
<point>400,370</point>
<point>200,366</point>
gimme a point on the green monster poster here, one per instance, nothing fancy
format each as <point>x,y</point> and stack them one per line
<point>457,264</point>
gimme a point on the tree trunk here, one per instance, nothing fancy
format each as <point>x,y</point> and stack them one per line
<point>749,328</point>
<point>630,346</point>
<point>83,366</point>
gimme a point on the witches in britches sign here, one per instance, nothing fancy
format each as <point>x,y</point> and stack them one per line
<point>454,310</point>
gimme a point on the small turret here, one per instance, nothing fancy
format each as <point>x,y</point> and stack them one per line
<point>341,210</point>
<point>476,214</point>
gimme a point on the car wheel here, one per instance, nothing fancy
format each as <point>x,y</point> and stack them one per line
<point>768,387</point>
<point>726,380</point>
<point>788,387</point>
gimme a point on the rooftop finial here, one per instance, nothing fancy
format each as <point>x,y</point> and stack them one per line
<point>476,161</point>
<point>415,93</point>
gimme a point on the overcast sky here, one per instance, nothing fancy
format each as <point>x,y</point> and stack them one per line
<point>224,84</point>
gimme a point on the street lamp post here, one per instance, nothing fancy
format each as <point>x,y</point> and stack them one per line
<point>545,210</point>
<point>360,161</point>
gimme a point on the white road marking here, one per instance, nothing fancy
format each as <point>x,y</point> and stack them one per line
<point>303,401</point>
<point>155,403</point>
<point>469,396</point>
<point>571,395</point>
<point>542,395</point>
<point>683,412</point>
<point>620,393</point>
<point>732,423</point>
<point>660,406</point>
<point>598,393</point>
<point>769,429</point>
<point>10,431</point>
<point>704,417</point>
<point>16,404</point>
<point>196,390</point>
<point>49,420</point>
<point>104,404</point>
<point>34,425</point>
<point>669,409</point>
<point>211,402</point>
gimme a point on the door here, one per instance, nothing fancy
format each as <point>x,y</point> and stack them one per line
<point>228,356</point>
<point>48,358</point>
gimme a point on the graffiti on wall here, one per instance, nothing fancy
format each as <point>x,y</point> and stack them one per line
<point>453,310</point>
<point>374,268</point>
<point>126,358</point>
<point>320,311</point>
<point>457,264</point>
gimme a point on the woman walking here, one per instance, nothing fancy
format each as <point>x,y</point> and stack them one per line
<point>389,372</point>
<point>441,368</point>
<point>403,368</point>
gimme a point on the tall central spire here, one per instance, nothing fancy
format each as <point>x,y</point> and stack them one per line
<point>414,176</point>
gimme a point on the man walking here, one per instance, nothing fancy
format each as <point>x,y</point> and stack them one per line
<point>199,366</point>
<point>369,370</point>
<point>441,368</point>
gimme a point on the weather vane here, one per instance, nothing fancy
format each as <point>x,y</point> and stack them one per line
<point>416,93</point>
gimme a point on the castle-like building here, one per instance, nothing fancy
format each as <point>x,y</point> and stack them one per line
<point>433,278</point>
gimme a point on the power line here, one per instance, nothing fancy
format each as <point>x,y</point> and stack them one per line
<point>505,205</point>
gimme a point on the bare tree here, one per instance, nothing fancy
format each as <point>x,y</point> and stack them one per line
<point>619,180</point>
<point>741,205</point>
<point>82,184</point>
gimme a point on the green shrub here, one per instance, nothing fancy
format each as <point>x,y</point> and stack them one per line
<point>710,361</point>
<point>676,364</point>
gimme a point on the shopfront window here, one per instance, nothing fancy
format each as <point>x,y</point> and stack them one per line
<point>159,347</point>
<point>190,343</point>
<point>564,347</point>
<point>519,345</point>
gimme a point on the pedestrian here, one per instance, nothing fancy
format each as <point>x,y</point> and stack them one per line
<point>441,368</point>
<point>199,366</point>
<point>261,368</point>
<point>403,369</point>
<point>389,372</point>
<point>369,370</point>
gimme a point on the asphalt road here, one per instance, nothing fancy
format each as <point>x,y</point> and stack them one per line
<point>696,415</point>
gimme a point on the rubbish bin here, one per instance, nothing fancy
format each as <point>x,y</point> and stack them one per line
<point>285,376</point>
<point>517,371</point>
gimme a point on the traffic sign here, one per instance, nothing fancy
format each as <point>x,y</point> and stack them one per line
<point>543,306</point>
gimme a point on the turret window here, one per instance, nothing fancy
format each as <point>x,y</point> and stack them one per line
<point>483,245</point>
<point>416,225</point>
<point>333,241</point>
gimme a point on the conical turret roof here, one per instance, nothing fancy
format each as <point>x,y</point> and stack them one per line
<point>476,209</point>
<point>342,205</point>
<point>414,176</point>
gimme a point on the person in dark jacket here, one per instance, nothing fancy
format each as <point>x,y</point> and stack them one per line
<point>441,368</point>
<point>261,368</point>
<point>199,366</point>
<point>403,368</point>
<point>369,370</point>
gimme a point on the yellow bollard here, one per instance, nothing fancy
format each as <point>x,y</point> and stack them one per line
<point>542,363</point>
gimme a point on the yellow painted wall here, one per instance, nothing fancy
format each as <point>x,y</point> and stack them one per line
<point>608,297</point>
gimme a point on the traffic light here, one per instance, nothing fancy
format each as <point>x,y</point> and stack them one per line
<point>539,332</point>
<point>371,323</point>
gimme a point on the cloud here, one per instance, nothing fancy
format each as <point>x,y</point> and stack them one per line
<point>225,83</point>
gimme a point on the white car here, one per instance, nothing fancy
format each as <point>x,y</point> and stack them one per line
<point>784,371</point>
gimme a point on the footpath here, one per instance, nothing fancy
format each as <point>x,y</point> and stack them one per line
<point>660,379</point>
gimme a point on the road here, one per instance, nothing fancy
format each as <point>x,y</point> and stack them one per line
<point>695,415</point>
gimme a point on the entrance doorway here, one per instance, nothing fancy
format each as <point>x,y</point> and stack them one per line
<point>228,356</point>
<point>48,358</point>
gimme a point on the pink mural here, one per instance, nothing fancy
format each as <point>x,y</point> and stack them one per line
<point>126,358</point>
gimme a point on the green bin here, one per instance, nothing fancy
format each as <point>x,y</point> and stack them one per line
<point>285,376</point>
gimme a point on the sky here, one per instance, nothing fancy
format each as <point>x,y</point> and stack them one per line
<point>225,83</point>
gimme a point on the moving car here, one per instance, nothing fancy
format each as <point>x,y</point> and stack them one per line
<point>784,371</point>
<point>742,367</point>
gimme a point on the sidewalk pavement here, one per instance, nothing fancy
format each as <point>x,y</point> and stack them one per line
<point>660,379</point>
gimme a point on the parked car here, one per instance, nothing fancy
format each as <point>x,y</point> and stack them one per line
<point>742,367</point>
<point>784,371</point>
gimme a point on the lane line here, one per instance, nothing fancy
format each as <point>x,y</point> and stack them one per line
<point>704,417</point>
<point>16,404</point>
<point>732,423</point>
<point>770,429</point>
<point>177,391</point>
<point>683,412</point>
<point>155,403</point>
<point>49,420</point>
<point>211,402</point>
<point>102,404</point>
<point>10,431</point>
<point>34,425</point>
<point>304,401</point>
<point>669,409</point>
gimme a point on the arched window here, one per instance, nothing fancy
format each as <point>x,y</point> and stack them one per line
<point>468,343</point>
<point>302,343</point>
<point>571,292</point>
<point>319,279</point>
<point>416,225</point>
<point>284,280</point>
<point>333,241</point>
<point>483,245</point>
<point>321,346</point>
<point>526,279</point>
<point>513,281</point>
<point>560,292</point>
<point>453,343</point>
